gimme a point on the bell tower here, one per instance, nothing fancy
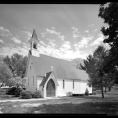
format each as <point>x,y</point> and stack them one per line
<point>34,45</point>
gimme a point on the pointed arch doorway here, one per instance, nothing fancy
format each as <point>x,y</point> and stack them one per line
<point>50,88</point>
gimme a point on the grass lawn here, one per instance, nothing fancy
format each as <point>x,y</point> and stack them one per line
<point>92,104</point>
<point>83,108</point>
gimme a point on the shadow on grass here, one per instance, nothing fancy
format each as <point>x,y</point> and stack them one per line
<point>83,108</point>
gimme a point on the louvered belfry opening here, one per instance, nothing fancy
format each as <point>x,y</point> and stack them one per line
<point>50,88</point>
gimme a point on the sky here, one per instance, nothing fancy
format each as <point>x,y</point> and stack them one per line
<point>66,31</point>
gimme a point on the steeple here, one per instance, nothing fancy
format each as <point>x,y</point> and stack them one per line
<point>34,44</point>
<point>34,36</point>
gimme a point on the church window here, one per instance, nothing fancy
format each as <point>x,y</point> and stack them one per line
<point>28,81</point>
<point>34,46</point>
<point>63,84</point>
<point>33,80</point>
<point>73,84</point>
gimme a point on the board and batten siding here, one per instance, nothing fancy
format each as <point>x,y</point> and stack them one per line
<point>60,91</point>
<point>79,87</point>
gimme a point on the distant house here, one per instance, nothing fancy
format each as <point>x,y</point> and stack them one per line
<point>53,76</point>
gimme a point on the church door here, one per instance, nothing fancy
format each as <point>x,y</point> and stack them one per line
<point>50,89</point>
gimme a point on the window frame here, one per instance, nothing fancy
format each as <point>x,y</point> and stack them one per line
<point>73,84</point>
<point>63,84</point>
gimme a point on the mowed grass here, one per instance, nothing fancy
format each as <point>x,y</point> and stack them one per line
<point>92,104</point>
<point>83,108</point>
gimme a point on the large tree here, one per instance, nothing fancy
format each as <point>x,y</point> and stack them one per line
<point>17,64</point>
<point>5,74</point>
<point>109,13</point>
<point>95,65</point>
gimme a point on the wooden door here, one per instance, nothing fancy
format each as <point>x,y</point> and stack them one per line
<point>50,89</point>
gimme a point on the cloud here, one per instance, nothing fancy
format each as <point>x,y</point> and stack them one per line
<point>83,43</point>
<point>5,32</point>
<point>4,29</point>
<point>11,50</point>
<point>87,31</point>
<point>15,40</point>
<point>98,41</point>
<point>75,32</point>
<point>65,46</point>
<point>51,45</point>
<point>1,41</point>
<point>54,32</point>
<point>27,34</point>
<point>64,52</point>
<point>91,25</point>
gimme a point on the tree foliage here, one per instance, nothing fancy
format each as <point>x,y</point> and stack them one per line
<point>95,66</point>
<point>5,73</point>
<point>17,64</point>
<point>109,13</point>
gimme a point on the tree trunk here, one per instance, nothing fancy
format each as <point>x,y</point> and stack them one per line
<point>102,91</point>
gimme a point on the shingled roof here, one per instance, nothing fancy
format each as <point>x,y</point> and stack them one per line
<point>62,69</point>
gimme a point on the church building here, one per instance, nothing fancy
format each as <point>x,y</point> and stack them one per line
<point>51,76</point>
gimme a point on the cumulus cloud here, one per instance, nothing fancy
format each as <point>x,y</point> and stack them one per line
<point>1,41</point>
<point>75,32</point>
<point>64,52</point>
<point>87,31</point>
<point>4,29</point>
<point>5,32</point>
<point>11,50</point>
<point>15,40</point>
<point>28,34</point>
<point>54,32</point>
<point>83,43</point>
<point>66,45</point>
<point>51,45</point>
<point>98,41</point>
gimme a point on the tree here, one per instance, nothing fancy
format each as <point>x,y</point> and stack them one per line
<point>5,73</point>
<point>95,65</point>
<point>109,13</point>
<point>17,64</point>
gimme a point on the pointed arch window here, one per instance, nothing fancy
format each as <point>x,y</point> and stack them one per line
<point>33,80</point>
<point>73,84</point>
<point>63,84</point>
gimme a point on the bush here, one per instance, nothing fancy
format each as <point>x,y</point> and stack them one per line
<point>86,92</point>
<point>69,94</point>
<point>26,94</point>
<point>36,94</point>
<point>14,91</point>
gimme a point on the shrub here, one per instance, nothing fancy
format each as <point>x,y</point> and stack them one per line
<point>86,92</point>
<point>14,91</point>
<point>26,94</point>
<point>69,94</point>
<point>36,94</point>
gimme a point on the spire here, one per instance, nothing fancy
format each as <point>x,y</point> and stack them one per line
<point>34,44</point>
<point>34,36</point>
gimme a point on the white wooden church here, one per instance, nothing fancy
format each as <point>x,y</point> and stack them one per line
<point>52,76</point>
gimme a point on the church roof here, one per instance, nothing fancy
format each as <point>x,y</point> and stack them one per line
<point>62,69</point>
